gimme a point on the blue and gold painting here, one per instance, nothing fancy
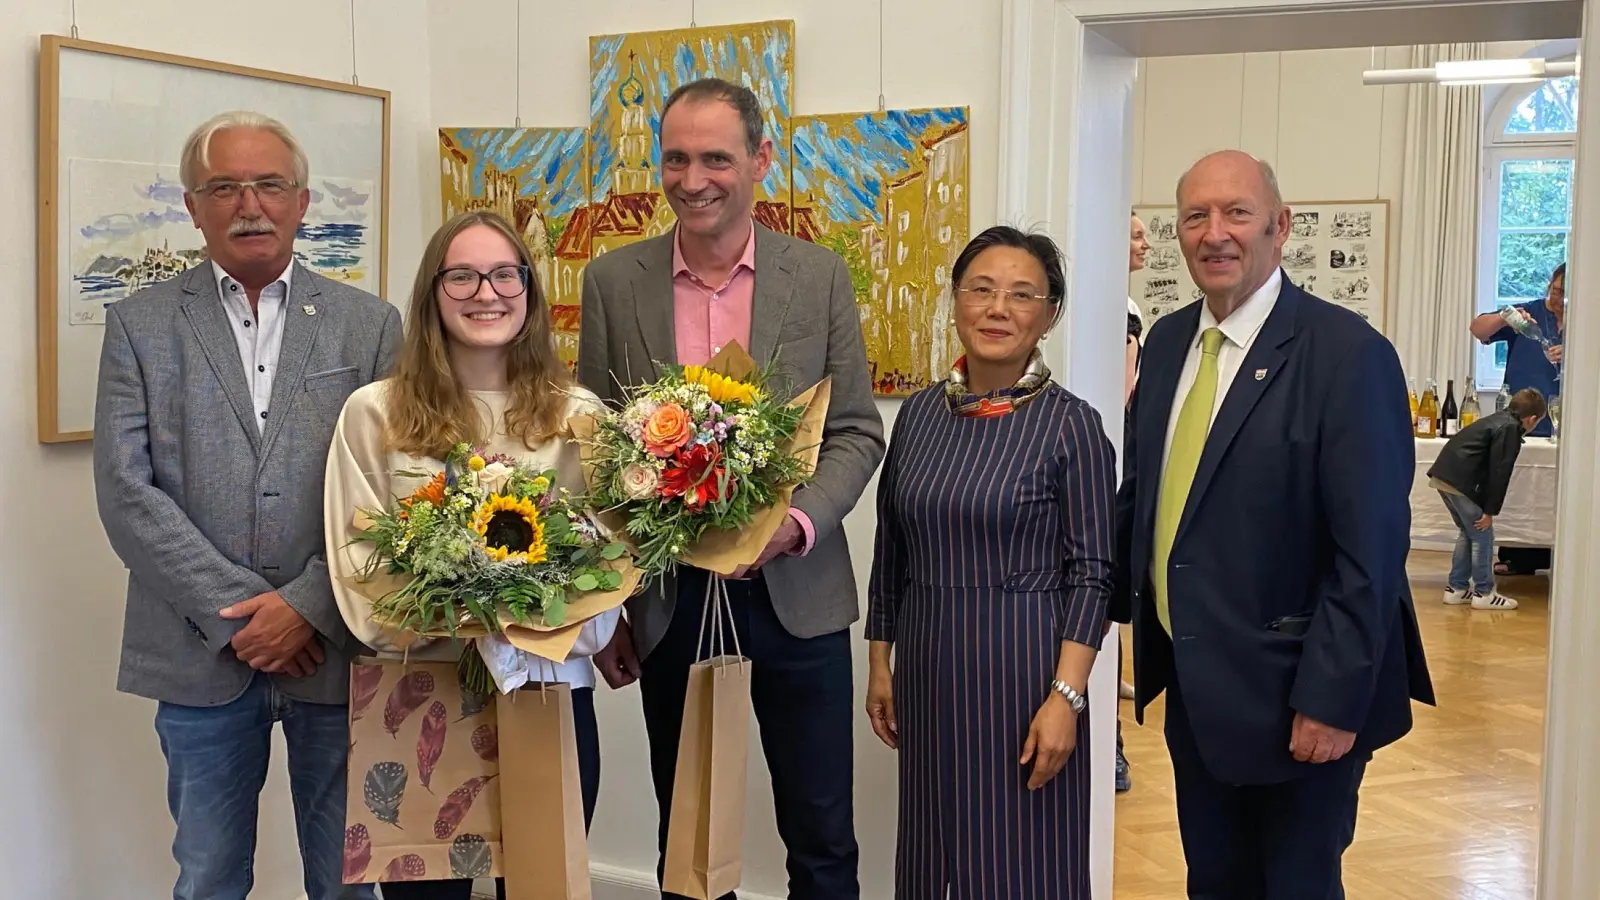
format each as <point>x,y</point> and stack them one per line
<point>888,192</point>
<point>631,77</point>
<point>536,179</point>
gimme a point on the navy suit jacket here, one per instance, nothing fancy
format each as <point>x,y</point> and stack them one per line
<point>1288,582</point>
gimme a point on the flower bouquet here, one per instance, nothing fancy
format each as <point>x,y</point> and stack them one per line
<point>698,467</point>
<point>491,546</point>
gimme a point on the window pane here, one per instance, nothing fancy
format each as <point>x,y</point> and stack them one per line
<point>1535,193</point>
<point>1525,263</point>
<point>1551,108</point>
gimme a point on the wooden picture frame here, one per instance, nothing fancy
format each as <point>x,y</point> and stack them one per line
<point>112,122</point>
<point>1310,258</point>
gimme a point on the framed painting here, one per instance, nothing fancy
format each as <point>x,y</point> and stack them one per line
<point>112,122</point>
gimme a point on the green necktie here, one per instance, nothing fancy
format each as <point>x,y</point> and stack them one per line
<point>1188,439</point>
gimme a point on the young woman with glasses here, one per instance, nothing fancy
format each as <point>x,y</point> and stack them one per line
<point>478,366</point>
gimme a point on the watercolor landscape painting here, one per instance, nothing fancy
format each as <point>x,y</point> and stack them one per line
<point>887,190</point>
<point>129,229</point>
<point>536,178</point>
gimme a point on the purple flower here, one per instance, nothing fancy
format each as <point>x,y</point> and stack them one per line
<point>716,410</point>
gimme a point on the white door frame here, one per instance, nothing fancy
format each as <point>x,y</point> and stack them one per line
<point>1066,140</point>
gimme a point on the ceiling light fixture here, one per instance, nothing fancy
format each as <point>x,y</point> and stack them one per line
<point>1474,71</point>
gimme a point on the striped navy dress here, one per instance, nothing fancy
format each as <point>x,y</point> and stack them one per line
<point>994,545</point>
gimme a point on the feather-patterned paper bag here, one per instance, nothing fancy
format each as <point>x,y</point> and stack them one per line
<point>423,795</point>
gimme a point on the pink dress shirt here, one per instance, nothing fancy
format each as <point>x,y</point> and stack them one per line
<point>705,319</point>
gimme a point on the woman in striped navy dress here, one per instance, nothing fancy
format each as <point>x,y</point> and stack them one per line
<point>991,573</point>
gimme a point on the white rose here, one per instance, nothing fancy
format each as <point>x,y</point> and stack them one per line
<point>494,477</point>
<point>639,482</point>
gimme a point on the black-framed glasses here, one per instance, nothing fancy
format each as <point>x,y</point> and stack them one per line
<point>268,190</point>
<point>463,283</point>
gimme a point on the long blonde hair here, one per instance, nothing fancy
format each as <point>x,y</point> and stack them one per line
<point>429,411</point>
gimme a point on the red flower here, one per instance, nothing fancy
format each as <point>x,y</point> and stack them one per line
<point>695,474</point>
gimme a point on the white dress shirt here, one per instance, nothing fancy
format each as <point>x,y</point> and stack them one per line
<point>259,333</point>
<point>1239,332</point>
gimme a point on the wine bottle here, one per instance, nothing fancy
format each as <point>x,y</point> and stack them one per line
<point>1411,390</point>
<point>1469,405</point>
<point>1449,415</point>
<point>1428,412</point>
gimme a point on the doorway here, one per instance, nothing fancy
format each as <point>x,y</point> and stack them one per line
<point>1067,134</point>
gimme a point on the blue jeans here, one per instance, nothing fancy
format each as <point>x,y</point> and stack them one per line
<point>216,766</point>
<point>1474,553</point>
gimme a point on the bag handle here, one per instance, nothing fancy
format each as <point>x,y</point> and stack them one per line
<point>712,620</point>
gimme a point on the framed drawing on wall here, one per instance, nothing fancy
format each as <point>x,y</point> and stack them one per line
<point>112,122</point>
<point>1338,251</point>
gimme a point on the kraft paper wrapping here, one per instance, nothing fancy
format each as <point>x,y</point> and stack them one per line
<point>721,550</point>
<point>551,642</point>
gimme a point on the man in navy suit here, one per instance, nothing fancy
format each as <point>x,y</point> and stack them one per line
<point>1263,528</point>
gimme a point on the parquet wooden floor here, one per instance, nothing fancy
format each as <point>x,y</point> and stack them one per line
<point>1451,812</point>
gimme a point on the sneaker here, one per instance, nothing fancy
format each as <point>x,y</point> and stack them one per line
<point>1453,597</point>
<point>1124,777</point>
<point>1493,600</point>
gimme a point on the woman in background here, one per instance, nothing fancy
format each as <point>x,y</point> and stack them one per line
<point>991,574</point>
<point>478,366</point>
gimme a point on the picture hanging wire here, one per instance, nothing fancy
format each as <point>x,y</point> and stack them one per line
<point>517,119</point>
<point>692,23</point>
<point>354,78</point>
<point>74,19</point>
<point>1383,108</point>
<point>881,106</point>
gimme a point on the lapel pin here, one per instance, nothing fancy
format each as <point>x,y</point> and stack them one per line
<point>1261,374</point>
<point>310,310</point>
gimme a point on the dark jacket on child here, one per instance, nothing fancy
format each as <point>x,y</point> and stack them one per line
<point>1478,461</point>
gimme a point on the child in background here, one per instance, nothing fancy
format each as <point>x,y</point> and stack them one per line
<point>1471,475</point>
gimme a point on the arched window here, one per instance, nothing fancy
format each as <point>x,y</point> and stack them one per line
<point>1530,139</point>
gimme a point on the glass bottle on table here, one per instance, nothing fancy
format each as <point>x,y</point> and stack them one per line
<point>1411,390</point>
<point>1428,412</point>
<point>1449,414</point>
<point>1553,410</point>
<point>1502,399</point>
<point>1469,405</point>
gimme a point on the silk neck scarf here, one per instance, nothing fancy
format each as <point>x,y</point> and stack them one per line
<point>1000,403</point>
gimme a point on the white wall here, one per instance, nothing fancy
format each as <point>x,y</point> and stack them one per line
<point>937,52</point>
<point>84,811</point>
<point>1306,112</point>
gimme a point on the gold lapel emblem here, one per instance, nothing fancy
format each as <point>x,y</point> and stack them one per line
<point>1261,374</point>
<point>310,310</point>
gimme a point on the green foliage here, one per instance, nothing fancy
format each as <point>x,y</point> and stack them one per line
<point>455,581</point>
<point>1552,108</point>
<point>847,243</point>
<point>1535,214</point>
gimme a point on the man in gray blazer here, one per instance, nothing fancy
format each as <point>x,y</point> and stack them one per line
<point>679,298</point>
<point>218,394</point>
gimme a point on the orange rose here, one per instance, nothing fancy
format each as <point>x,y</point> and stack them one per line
<point>667,429</point>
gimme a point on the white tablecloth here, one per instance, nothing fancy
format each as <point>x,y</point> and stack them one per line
<point>1528,518</point>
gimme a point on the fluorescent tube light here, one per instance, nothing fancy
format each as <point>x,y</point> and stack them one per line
<point>1474,71</point>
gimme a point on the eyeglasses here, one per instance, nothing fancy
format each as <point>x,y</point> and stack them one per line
<point>979,297</point>
<point>268,190</point>
<point>463,284</point>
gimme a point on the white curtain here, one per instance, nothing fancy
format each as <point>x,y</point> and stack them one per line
<point>1439,221</point>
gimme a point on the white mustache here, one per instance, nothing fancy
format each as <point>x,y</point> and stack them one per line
<point>251,226</point>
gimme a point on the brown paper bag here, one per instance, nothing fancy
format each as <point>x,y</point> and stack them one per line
<point>546,848</point>
<point>423,801</point>
<point>705,831</point>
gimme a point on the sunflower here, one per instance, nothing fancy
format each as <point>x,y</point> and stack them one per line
<point>722,388</point>
<point>512,530</point>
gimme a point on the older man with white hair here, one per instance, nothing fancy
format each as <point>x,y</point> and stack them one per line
<point>218,394</point>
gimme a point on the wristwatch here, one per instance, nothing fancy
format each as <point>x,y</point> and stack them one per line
<point>1074,699</point>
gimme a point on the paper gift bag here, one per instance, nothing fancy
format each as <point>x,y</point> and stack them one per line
<point>542,827</point>
<point>705,831</point>
<point>422,800</point>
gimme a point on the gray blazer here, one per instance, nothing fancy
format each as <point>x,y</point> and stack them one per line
<point>204,509</point>
<point>805,314</point>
